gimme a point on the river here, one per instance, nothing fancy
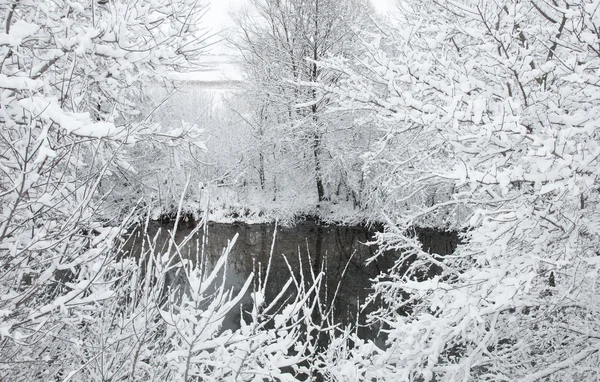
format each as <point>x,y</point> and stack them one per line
<point>339,251</point>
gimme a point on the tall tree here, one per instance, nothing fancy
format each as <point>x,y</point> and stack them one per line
<point>281,42</point>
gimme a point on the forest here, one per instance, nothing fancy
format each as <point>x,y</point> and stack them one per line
<point>478,118</point>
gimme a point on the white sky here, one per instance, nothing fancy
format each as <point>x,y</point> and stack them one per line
<point>217,18</point>
<point>218,14</point>
<point>219,9</point>
<point>381,5</point>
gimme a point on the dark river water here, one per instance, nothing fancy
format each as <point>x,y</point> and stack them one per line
<point>340,251</point>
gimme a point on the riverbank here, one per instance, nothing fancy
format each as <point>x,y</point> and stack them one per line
<point>287,214</point>
<point>231,205</point>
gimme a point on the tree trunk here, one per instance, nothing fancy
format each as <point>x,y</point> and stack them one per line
<point>314,109</point>
<point>318,175</point>
<point>261,170</point>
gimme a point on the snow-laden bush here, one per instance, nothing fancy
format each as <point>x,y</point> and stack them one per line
<point>497,103</point>
<point>70,74</point>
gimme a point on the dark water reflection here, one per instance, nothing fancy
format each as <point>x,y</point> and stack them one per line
<point>340,251</point>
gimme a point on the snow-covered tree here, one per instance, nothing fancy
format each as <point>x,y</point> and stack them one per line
<point>70,74</point>
<point>497,104</point>
<point>280,42</point>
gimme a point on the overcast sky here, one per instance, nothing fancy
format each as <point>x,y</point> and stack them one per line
<point>219,21</point>
<point>219,9</point>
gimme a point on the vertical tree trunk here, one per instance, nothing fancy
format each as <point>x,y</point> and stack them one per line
<point>275,187</point>
<point>318,175</point>
<point>261,170</point>
<point>314,108</point>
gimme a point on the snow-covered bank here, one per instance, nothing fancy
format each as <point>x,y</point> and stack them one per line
<point>228,205</point>
<point>326,212</point>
